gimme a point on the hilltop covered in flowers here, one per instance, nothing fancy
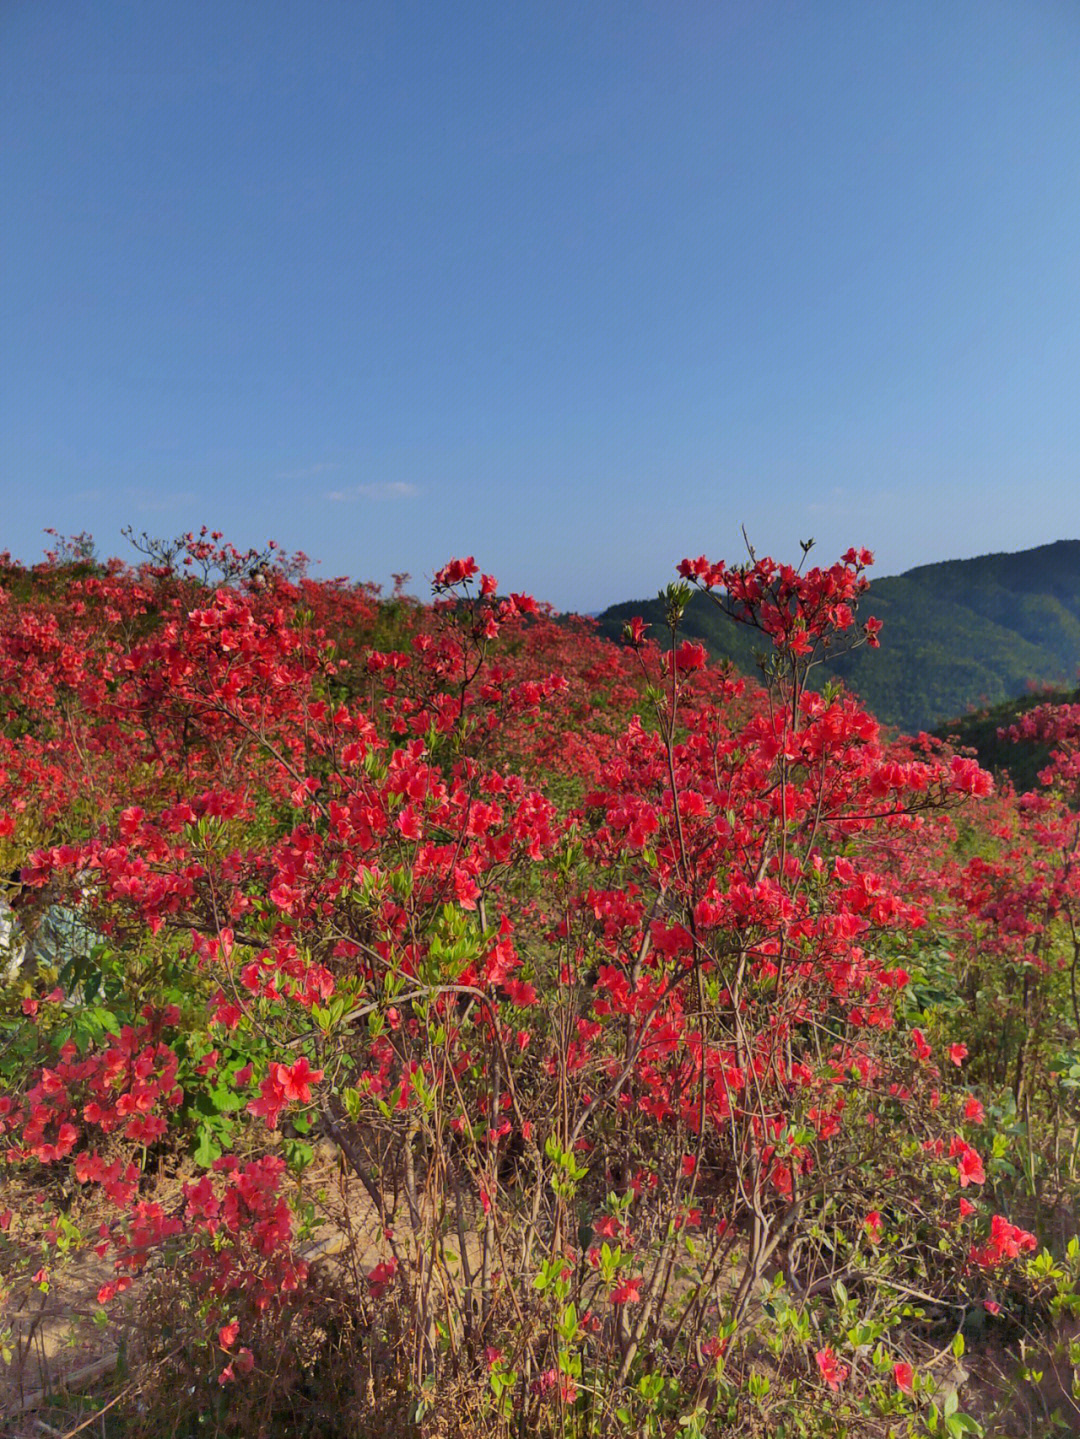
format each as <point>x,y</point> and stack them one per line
<point>649,1010</point>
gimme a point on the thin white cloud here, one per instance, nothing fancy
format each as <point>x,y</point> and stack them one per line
<point>158,502</point>
<point>310,472</point>
<point>384,490</point>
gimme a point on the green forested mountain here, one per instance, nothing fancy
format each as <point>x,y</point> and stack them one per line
<point>955,635</point>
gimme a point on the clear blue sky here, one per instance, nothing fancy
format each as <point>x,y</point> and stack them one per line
<point>578,288</point>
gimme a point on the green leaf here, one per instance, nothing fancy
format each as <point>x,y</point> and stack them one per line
<point>206,1151</point>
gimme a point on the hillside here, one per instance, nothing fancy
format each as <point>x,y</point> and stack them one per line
<point>462,854</point>
<point>980,731</point>
<point>956,634</point>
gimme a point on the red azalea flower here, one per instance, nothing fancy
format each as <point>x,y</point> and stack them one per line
<point>833,1372</point>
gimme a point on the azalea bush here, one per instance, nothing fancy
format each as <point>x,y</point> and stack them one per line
<point>489,1029</point>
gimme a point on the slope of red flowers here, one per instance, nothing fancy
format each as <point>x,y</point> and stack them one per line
<point>602,942</point>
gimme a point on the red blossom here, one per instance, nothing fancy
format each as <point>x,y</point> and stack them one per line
<point>832,1371</point>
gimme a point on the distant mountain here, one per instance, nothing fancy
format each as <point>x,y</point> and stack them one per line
<point>955,635</point>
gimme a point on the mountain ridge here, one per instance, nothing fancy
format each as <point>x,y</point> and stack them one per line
<point>956,634</point>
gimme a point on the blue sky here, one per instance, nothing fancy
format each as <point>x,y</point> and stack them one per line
<point>577,288</point>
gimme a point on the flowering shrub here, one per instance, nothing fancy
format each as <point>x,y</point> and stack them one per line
<point>579,967</point>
